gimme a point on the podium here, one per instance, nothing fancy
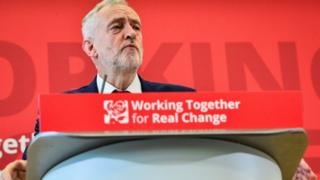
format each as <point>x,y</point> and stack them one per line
<point>201,153</point>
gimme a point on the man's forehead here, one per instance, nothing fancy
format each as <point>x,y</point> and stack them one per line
<point>119,11</point>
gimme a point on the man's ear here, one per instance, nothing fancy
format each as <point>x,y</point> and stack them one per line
<point>89,49</point>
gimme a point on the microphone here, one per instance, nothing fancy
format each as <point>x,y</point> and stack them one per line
<point>103,83</point>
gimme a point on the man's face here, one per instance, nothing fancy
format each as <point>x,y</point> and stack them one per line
<point>118,39</point>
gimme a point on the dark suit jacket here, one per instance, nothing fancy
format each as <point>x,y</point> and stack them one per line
<point>145,85</point>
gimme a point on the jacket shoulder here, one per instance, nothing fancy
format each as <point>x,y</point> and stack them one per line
<point>148,86</point>
<point>90,88</point>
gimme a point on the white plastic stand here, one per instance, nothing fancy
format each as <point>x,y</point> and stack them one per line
<point>173,155</point>
<point>174,159</point>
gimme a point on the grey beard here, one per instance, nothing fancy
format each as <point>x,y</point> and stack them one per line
<point>126,65</point>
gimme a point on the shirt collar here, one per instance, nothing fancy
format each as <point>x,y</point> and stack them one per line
<point>134,87</point>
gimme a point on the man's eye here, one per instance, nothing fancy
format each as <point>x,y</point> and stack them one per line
<point>136,27</point>
<point>116,27</point>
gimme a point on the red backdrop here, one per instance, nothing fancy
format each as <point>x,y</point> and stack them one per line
<point>211,45</point>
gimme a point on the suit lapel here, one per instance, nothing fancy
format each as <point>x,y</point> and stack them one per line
<point>145,85</point>
<point>92,87</point>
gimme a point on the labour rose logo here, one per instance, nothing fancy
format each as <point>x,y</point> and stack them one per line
<point>116,112</point>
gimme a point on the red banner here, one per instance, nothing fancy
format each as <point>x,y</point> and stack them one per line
<point>170,111</point>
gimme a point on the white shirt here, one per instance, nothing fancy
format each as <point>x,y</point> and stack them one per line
<point>1,175</point>
<point>134,87</point>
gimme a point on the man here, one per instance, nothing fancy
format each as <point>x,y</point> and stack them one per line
<point>112,39</point>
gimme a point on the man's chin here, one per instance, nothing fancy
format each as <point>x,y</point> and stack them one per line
<point>128,67</point>
<point>132,58</point>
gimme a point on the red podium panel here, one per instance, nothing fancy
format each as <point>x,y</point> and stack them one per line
<point>170,111</point>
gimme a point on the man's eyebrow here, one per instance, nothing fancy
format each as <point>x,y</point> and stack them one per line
<point>135,21</point>
<point>114,20</point>
<point>121,19</point>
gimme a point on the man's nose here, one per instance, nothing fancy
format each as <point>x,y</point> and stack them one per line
<point>130,33</point>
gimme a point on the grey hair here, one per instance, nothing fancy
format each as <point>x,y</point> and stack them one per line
<point>88,22</point>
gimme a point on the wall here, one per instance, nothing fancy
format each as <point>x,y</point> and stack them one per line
<point>211,45</point>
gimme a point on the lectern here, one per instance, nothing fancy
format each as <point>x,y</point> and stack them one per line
<point>244,142</point>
